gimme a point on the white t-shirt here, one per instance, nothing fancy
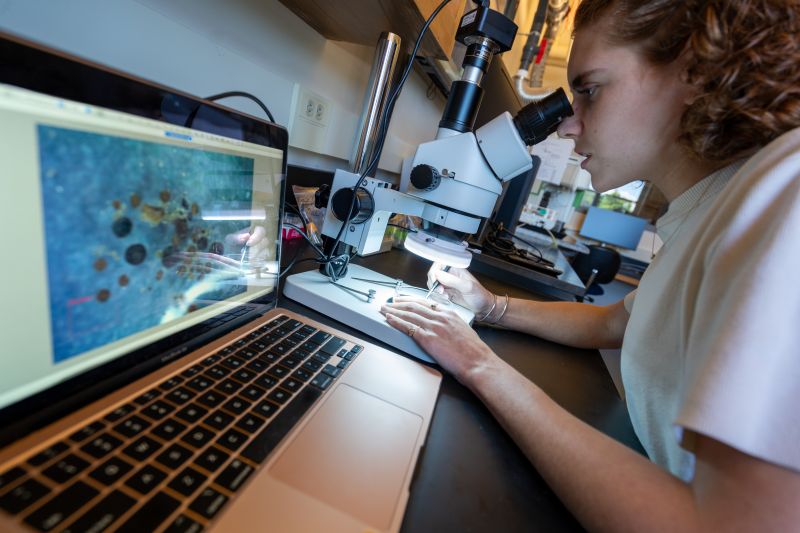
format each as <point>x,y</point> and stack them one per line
<point>713,340</point>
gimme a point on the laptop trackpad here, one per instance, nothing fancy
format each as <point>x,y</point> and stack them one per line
<point>354,454</point>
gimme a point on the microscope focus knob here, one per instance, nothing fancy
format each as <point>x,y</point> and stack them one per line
<point>343,198</point>
<point>425,177</point>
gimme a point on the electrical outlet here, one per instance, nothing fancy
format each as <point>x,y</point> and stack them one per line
<point>308,128</point>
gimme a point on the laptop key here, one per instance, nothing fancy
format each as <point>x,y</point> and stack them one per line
<point>277,372</point>
<point>266,381</point>
<point>111,471</point>
<point>147,397</point>
<point>266,409</point>
<point>157,410</point>
<point>208,503</point>
<point>192,371</point>
<point>132,426</point>
<point>244,375</point>
<point>171,383</point>
<point>23,496</point>
<point>174,456</point>
<point>86,432</point>
<point>192,413</point>
<point>101,446</point>
<point>61,507</point>
<point>200,383</point>
<point>146,479</point>
<point>278,395</point>
<point>48,454</point>
<point>322,381</point>
<point>142,448</point>
<point>332,371</point>
<point>332,346</point>
<point>151,515</point>
<point>234,475</point>
<point>184,524</point>
<point>66,468</point>
<point>211,359</point>
<point>291,384</point>
<point>233,362</point>
<point>120,412</point>
<point>180,396</point>
<point>211,398</point>
<point>302,374</point>
<point>217,372</point>
<point>236,406</point>
<point>270,436</point>
<point>312,366</point>
<point>11,475</point>
<point>232,439</point>
<point>211,459</point>
<point>250,423</point>
<point>257,366</point>
<point>188,481</point>
<point>253,393</point>
<point>169,429</point>
<point>319,338</point>
<point>291,361</point>
<point>198,437</point>
<point>103,514</point>
<point>218,420</point>
<point>228,387</point>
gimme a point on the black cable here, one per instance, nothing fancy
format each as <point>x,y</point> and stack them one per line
<point>243,94</point>
<point>299,214</point>
<point>383,128</point>
<point>306,237</point>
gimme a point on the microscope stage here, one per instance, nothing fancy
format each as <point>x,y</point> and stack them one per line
<point>316,291</point>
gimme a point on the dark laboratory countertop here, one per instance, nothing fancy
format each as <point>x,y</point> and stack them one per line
<point>471,475</point>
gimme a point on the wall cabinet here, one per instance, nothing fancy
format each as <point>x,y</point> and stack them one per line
<point>362,21</point>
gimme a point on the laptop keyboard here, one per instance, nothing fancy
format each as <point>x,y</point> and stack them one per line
<point>177,453</point>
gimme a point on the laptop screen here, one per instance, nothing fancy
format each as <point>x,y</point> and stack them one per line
<point>122,231</point>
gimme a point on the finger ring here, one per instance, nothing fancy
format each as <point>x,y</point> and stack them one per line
<point>434,306</point>
<point>412,330</point>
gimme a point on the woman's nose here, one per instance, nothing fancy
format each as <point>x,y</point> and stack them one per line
<point>570,128</point>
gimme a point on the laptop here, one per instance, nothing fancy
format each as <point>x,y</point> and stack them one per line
<point>148,379</point>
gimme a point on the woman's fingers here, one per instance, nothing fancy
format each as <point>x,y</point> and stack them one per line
<point>257,235</point>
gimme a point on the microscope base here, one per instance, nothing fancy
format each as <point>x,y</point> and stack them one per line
<point>314,290</point>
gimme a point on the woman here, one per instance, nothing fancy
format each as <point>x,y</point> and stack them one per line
<point>702,98</point>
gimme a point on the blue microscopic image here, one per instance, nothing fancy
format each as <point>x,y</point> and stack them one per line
<point>127,248</point>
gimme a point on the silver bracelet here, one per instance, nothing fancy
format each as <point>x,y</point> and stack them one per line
<point>489,312</point>
<point>503,312</point>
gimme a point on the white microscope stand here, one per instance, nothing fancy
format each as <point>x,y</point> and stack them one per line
<point>315,290</point>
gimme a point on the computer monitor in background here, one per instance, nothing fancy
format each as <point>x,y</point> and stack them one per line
<point>610,227</point>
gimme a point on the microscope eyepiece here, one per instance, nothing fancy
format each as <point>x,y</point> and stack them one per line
<point>537,120</point>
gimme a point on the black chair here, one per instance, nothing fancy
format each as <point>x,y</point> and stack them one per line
<point>599,266</point>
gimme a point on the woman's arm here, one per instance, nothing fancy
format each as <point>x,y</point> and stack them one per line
<point>570,323</point>
<point>610,487</point>
<point>605,484</point>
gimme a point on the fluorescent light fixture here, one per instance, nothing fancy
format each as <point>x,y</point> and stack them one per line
<point>234,214</point>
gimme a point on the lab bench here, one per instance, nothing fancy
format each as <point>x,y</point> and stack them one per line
<point>471,476</point>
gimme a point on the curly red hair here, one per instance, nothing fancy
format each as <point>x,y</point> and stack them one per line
<point>744,59</point>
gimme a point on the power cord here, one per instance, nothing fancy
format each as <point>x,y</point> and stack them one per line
<point>504,247</point>
<point>243,94</point>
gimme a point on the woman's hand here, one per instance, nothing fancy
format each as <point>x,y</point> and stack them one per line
<point>462,288</point>
<point>441,333</point>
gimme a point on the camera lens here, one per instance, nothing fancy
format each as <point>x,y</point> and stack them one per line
<point>539,119</point>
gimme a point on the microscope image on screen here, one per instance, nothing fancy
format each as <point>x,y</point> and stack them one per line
<point>126,241</point>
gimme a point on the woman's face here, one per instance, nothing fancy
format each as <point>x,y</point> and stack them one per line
<point>627,111</point>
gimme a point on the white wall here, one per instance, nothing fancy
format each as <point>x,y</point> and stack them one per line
<point>209,46</point>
